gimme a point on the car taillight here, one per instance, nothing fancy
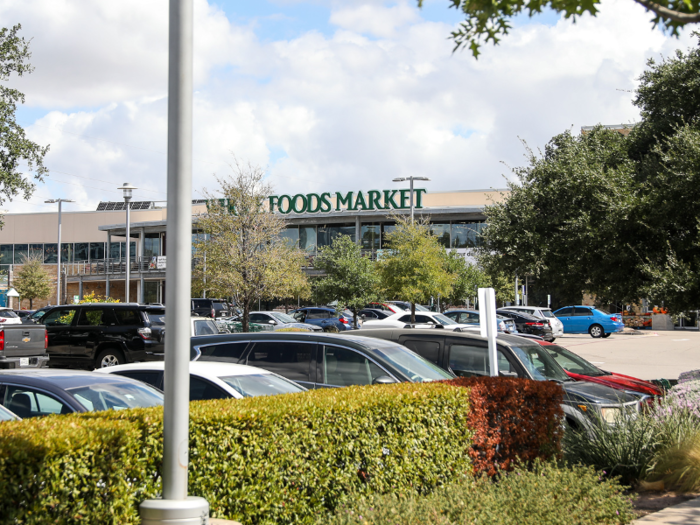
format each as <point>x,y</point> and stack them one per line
<point>145,333</point>
<point>534,324</point>
<point>213,313</point>
<point>2,340</point>
<point>46,339</point>
<point>615,318</point>
<point>2,319</point>
<point>343,320</point>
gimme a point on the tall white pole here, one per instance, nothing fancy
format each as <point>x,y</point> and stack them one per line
<point>488,325</point>
<point>127,284</point>
<point>58,266</point>
<point>176,507</point>
<point>411,179</point>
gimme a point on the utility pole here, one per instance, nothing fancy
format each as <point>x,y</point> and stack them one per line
<point>176,506</point>
<point>411,179</point>
<point>58,266</point>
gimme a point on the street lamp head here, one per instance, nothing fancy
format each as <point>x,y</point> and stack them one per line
<point>421,178</point>
<point>399,179</point>
<point>50,201</point>
<point>127,188</point>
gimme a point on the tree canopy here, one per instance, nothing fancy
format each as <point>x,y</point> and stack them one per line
<point>15,148</point>
<point>611,214</point>
<point>490,21</point>
<point>32,280</point>
<point>350,279</point>
<point>242,253</point>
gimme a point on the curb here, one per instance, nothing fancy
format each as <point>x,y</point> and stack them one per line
<point>218,521</point>
<point>687,513</point>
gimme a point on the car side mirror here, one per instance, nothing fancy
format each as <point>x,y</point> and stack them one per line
<point>508,374</point>
<point>271,322</point>
<point>383,380</point>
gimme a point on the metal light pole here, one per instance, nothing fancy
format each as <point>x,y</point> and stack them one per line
<point>127,189</point>
<point>176,507</point>
<point>411,179</point>
<point>58,269</point>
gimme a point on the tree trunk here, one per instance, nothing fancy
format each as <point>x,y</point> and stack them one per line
<point>354,317</point>
<point>413,313</point>
<point>246,313</point>
<point>30,304</point>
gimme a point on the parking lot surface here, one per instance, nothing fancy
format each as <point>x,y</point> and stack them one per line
<point>646,355</point>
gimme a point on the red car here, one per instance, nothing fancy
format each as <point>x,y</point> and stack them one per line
<point>578,368</point>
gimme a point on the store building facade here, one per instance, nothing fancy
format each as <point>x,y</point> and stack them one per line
<point>93,243</point>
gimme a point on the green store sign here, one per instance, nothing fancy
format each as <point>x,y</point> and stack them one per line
<point>350,201</point>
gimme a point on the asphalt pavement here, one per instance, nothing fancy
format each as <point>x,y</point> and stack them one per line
<point>646,354</point>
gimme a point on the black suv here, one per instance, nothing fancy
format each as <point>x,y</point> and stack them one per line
<point>320,360</point>
<point>466,354</point>
<point>529,324</point>
<point>95,335</point>
<point>210,308</point>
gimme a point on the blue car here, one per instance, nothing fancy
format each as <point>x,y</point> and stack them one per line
<point>323,317</point>
<point>586,319</point>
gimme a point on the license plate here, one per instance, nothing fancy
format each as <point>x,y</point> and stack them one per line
<point>23,361</point>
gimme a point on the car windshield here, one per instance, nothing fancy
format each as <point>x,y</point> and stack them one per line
<point>205,327</point>
<point>547,313</point>
<point>6,415</point>
<point>444,320</point>
<point>539,363</point>
<point>261,385</point>
<point>156,316</point>
<point>412,365</point>
<point>8,314</point>
<point>573,363</point>
<point>419,308</point>
<point>283,318</point>
<point>116,396</point>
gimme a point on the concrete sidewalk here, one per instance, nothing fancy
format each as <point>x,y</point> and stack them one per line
<point>687,513</point>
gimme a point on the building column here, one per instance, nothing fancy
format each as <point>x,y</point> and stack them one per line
<point>142,247</point>
<point>80,287</point>
<point>108,265</point>
<point>358,230</point>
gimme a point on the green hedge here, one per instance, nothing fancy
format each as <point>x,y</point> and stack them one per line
<point>281,459</point>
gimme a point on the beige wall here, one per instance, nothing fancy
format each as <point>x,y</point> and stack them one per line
<point>464,198</point>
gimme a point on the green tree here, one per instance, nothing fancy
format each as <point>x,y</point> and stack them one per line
<point>246,257</point>
<point>350,278</point>
<point>413,269</point>
<point>468,279</point>
<point>15,148</point>
<point>490,21</point>
<point>32,280</point>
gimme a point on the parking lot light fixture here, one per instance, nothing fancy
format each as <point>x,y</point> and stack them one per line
<point>58,265</point>
<point>410,179</point>
<point>127,189</point>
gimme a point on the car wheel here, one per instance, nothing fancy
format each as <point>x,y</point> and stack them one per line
<point>596,331</point>
<point>109,357</point>
<point>608,334</point>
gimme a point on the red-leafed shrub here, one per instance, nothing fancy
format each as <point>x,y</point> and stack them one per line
<point>512,418</point>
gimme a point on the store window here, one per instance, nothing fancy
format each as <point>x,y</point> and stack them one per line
<point>82,251</point>
<point>21,253</point>
<point>114,250</point>
<point>50,253</point>
<point>386,230</point>
<point>6,254</point>
<point>291,235</point>
<point>150,292</point>
<point>442,232</point>
<point>97,251</point>
<point>466,234</point>
<point>371,236</point>
<point>151,245</point>
<point>307,238</point>
<point>36,251</point>
<point>66,252</point>
<point>326,234</point>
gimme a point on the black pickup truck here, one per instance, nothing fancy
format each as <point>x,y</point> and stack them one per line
<point>96,335</point>
<point>23,346</point>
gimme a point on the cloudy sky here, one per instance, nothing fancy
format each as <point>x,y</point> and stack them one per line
<point>325,95</point>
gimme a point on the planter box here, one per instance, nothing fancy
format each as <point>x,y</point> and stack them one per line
<point>661,322</point>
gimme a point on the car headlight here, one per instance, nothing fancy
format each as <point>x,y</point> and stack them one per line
<point>610,415</point>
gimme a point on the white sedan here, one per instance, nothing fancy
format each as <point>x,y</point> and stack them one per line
<point>423,320</point>
<point>212,379</point>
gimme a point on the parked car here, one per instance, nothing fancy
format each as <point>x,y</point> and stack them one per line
<point>320,360</point>
<point>542,313</point>
<point>423,320</point>
<point>23,346</point>
<point>527,324</point>
<point>8,316</point>
<point>505,324</point>
<point>323,317</point>
<point>576,367</point>
<point>38,314</point>
<point>407,306</point>
<point>386,307</point>
<point>95,335</point>
<point>466,354</point>
<point>24,315</point>
<point>373,313</point>
<point>7,415</point>
<point>40,392</point>
<point>213,380</point>
<point>587,319</point>
<point>198,325</point>
<point>211,308</point>
<point>281,320</point>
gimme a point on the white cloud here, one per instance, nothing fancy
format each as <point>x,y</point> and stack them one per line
<point>382,96</point>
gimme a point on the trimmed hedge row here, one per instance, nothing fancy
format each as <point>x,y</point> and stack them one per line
<point>281,459</point>
<point>512,419</point>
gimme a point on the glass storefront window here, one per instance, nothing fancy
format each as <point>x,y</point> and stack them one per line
<point>21,252</point>
<point>326,234</point>
<point>466,234</point>
<point>82,251</point>
<point>386,229</point>
<point>66,252</point>
<point>442,231</point>
<point>115,250</point>
<point>291,234</point>
<point>151,246</point>
<point>6,254</point>
<point>307,238</point>
<point>371,234</point>
<point>36,251</point>
<point>51,253</point>
<point>97,251</point>
<point>150,292</point>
